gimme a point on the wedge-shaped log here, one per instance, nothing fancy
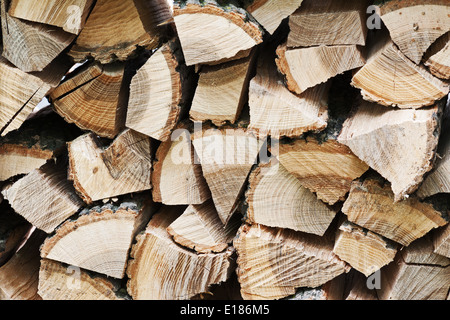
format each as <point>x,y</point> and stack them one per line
<point>441,241</point>
<point>273,262</point>
<point>101,172</point>
<point>99,238</point>
<point>160,269</point>
<point>437,58</point>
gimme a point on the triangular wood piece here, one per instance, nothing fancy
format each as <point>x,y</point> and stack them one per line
<point>276,198</point>
<point>441,241</point>
<point>99,238</point>
<point>151,269</point>
<point>437,58</point>
<point>102,172</point>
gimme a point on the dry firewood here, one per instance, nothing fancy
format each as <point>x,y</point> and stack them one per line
<point>58,281</point>
<point>160,93</point>
<point>199,228</point>
<point>332,290</point>
<point>356,287</point>
<point>328,22</point>
<point>437,58</point>
<point>99,238</point>
<point>275,198</point>
<point>160,269</point>
<point>44,196</point>
<point>69,15</point>
<point>273,262</point>
<point>371,205</point>
<point>226,156</point>
<point>115,28</point>
<point>391,79</point>
<point>441,241</point>
<point>101,172</point>
<point>416,274</point>
<point>415,24</point>
<point>19,277</point>
<point>307,67</point>
<point>377,135</point>
<point>210,33</point>
<point>222,91</point>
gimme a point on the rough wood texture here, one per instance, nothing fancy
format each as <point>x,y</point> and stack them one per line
<point>160,93</point>
<point>100,172</point>
<point>99,239</point>
<point>441,241</point>
<point>415,24</point>
<point>332,290</point>
<point>437,58</point>
<point>371,205</point>
<point>328,22</point>
<point>116,28</point>
<point>377,135</point>
<point>276,198</point>
<point>209,33</point>
<point>44,196</point>
<point>58,281</point>
<point>356,287</point>
<point>273,262</point>
<point>307,67</point>
<point>161,269</point>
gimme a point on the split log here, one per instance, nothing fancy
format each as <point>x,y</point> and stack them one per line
<point>44,196</point>
<point>270,13</point>
<point>364,250</point>
<point>377,134</point>
<point>226,156</point>
<point>371,205</point>
<point>276,111</point>
<point>58,281</point>
<point>116,28</point>
<point>160,93</point>
<point>222,91</point>
<point>441,241</point>
<point>210,33</point>
<point>275,198</point>
<point>305,68</point>
<point>199,228</point>
<point>416,274</point>
<point>177,177</point>
<point>356,287</point>
<point>19,277</point>
<point>31,46</point>
<point>69,15</point>
<point>329,23</point>
<point>99,238</point>
<point>415,25</point>
<point>391,79</point>
<point>100,172</point>
<point>160,269</point>
<point>332,290</point>
<point>273,262</point>
<point>94,98</point>
<point>437,58</point>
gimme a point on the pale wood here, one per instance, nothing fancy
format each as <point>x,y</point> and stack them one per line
<point>276,111</point>
<point>273,262</point>
<point>276,198</point>
<point>19,277</point>
<point>356,287</point>
<point>115,28</point>
<point>209,33</point>
<point>177,177</point>
<point>100,172</point>
<point>415,24</point>
<point>332,290</point>
<point>441,241</point>
<point>160,269</point>
<point>99,238</point>
<point>307,67</point>
<point>58,281</point>
<point>391,79</point>
<point>377,135</point>
<point>69,15</point>
<point>364,250</point>
<point>371,205</point>
<point>160,93</point>
<point>199,228</point>
<point>226,156</point>
<point>437,58</point>
<point>222,91</point>
<point>44,196</point>
<point>94,99</point>
<point>328,22</point>
<point>327,168</point>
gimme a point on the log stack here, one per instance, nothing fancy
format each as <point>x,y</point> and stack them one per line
<point>256,149</point>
